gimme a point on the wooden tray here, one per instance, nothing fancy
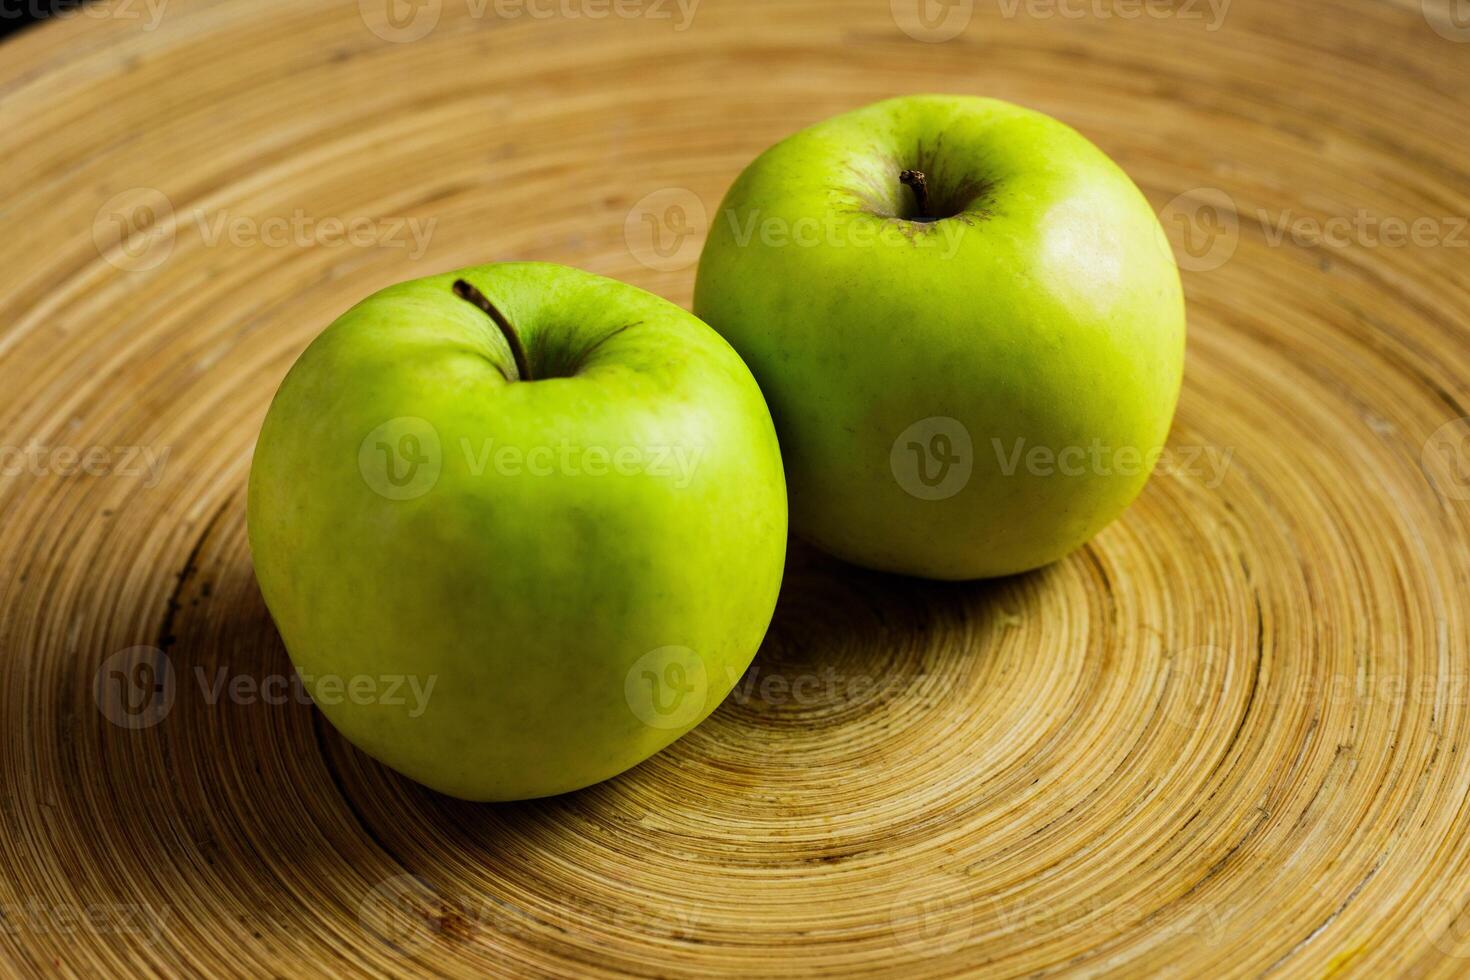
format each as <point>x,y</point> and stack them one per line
<point>1229,737</point>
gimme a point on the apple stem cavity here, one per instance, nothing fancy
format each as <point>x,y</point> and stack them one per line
<point>476,298</point>
<point>916,181</point>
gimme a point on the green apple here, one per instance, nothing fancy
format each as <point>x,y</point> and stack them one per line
<point>967,323</point>
<point>520,526</point>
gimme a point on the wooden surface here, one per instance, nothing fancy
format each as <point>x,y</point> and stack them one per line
<point>1229,737</point>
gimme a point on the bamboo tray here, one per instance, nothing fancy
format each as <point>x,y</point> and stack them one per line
<point>1229,737</point>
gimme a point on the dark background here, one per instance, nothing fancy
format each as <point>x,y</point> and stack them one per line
<point>17,15</point>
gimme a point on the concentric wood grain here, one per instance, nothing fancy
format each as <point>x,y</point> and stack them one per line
<point>1229,737</point>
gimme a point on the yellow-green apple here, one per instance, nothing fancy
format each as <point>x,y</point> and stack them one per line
<point>968,326</point>
<point>520,526</point>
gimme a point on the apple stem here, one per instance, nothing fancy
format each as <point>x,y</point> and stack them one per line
<point>472,295</point>
<point>914,179</point>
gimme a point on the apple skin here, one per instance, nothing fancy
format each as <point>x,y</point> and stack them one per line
<point>1044,306</point>
<point>530,599</point>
